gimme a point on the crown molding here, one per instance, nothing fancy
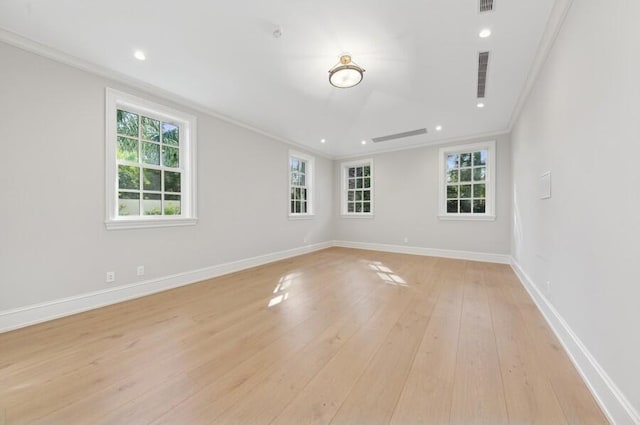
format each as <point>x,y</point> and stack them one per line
<point>549,36</point>
<point>31,46</point>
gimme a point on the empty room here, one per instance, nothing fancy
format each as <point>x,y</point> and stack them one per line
<point>303,212</point>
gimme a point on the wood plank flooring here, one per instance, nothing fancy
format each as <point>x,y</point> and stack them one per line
<point>339,336</point>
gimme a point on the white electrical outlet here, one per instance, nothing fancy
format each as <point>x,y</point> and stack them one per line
<point>111,277</point>
<point>140,270</point>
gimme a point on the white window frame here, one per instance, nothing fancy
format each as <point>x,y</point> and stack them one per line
<point>490,181</point>
<point>344,170</point>
<point>309,182</point>
<point>119,100</point>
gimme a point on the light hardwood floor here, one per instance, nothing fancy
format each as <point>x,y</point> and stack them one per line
<point>339,336</point>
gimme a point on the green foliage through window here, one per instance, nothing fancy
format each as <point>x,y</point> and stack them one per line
<point>148,161</point>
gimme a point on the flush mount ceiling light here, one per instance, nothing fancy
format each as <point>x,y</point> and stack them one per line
<point>345,74</point>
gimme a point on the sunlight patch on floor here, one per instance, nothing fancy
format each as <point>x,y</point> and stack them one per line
<point>386,274</point>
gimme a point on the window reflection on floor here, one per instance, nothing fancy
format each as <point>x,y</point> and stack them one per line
<point>280,290</point>
<point>386,274</point>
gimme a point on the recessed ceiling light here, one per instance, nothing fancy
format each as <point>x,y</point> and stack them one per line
<point>438,128</point>
<point>486,32</point>
<point>322,140</point>
<point>139,54</point>
<point>364,142</point>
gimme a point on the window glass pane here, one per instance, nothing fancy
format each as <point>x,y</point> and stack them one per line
<point>151,204</point>
<point>366,207</point>
<point>465,175</point>
<point>303,207</point>
<point>128,203</point>
<point>367,182</point>
<point>352,183</point>
<point>292,209</point>
<point>170,157</point>
<point>171,181</point>
<point>170,134</point>
<point>479,206</point>
<point>350,207</point>
<point>359,183</point>
<point>127,149</point>
<point>303,192</point>
<point>302,180</point>
<point>350,195</point>
<point>479,173</point>
<point>479,190</point>
<point>465,160</point>
<point>452,192</point>
<point>352,172</point>
<point>358,207</point>
<point>358,195</point>
<point>150,153</point>
<point>172,205</point>
<point>452,162</point>
<point>127,123</point>
<point>367,171</point>
<point>303,166</point>
<point>294,178</point>
<point>359,171</point>
<point>452,206</point>
<point>452,176</point>
<point>297,206</point>
<point>465,191</point>
<point>150,129</point>
<point>366,195</point>
<point>151,179</point>
<point>465,206</point>
<point>480,158</point>
<point>298,195</point>
<point>293,163</point>
<point>128,177</point>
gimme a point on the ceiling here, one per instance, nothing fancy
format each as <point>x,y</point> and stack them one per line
<point>420,56</point>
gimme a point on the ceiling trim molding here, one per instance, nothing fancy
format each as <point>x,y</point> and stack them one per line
<point>31,46</point>
<point>439,142</point>
<point>549,36</point>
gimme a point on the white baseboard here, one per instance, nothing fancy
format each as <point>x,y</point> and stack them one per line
<point>431,252</point>
<point>615,405</point>
<point>42,312</point>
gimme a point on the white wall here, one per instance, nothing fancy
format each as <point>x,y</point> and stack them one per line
<point>582,122</point>
<point>406,204</point>
<point>53,242</point>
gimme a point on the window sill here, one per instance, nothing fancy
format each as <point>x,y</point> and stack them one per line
<point>357,215</point>
<point>149,223</point>
<point>301,216</point>
<point>463,217</point>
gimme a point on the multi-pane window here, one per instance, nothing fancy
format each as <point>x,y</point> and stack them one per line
<point>150,163</point>
<point>300,184</point>
<point>357,191</point>
<point>466,180</point>
<point>149,171</point>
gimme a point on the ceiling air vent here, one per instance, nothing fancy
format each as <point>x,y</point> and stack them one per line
<point>399,135</point>
<point>483,63</point>
<point>486,5</point>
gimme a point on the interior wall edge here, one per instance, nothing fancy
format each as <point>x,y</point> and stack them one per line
<point>611,400</point>
<point>429,252</point>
